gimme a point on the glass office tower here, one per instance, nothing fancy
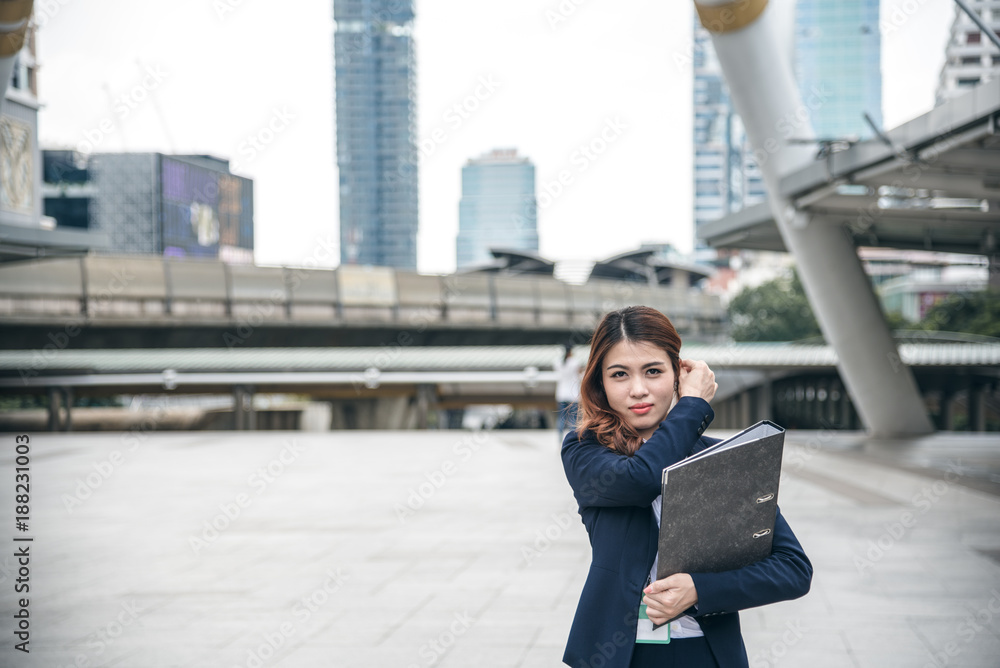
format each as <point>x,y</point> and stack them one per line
<point>838,64</point>
<point>498,207</point>
<point>726,179</point>
<point>376,128</point>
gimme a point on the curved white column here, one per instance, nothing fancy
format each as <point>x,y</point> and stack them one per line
<point>748,38</point>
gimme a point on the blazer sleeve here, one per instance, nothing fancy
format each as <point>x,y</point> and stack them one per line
<point>601,477</point>
<point>782,576</point>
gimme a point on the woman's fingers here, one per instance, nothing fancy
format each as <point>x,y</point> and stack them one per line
<point>656,617</point>
<point>697,380</point>
<point>670,597</point>
<point>657,611</point>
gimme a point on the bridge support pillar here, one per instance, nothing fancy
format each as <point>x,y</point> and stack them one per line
<point>765,401</point>
<point>244,417</point>
<point>392,412</point>
<point>977,406</point>
<point>426,402</point>
<point>845,408</point>
<point>947,410</point>
<point>60,416</point>
<point>829,406</point>
<point>743,408</point>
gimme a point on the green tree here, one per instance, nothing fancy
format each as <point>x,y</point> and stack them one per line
<point>971,313</point>
<point>773,311</point>
<point>896,321</point>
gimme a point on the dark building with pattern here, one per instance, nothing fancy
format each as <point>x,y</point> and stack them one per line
<point>151,203</point>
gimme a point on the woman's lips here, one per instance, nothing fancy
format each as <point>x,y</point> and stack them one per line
<point>641,409</point>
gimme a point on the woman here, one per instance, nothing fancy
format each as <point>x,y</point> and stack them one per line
<point>643,408</point>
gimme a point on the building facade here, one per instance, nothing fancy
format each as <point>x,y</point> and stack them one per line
<point>376,132</point>
<point>153,204</point>
<point>24,231</point>
<point>20,171</point>
<point>970,57</point>
<point>498,207</point>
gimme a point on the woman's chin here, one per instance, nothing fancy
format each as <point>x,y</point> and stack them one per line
<point>645,429</point>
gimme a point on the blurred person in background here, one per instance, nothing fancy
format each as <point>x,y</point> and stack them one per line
<point>569,370</point>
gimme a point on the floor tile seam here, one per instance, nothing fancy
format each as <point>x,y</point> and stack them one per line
<point>527,649</point>
<point>970,483</point>
<point>832,463</point>
<point>395,627</point>
<point>842,488</point>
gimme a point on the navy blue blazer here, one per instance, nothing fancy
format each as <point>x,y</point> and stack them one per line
<point>615,494</point>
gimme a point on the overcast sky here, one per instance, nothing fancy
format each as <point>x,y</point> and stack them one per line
<point>204,76</point>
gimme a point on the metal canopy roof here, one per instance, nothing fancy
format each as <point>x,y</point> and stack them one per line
<point>936,187</point>
<point>513,261</point>
<point>642,262</point>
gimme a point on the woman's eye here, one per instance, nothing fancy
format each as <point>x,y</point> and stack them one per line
<point>617,374</point>
<point>655,371</point>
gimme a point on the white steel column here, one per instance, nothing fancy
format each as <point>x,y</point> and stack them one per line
<point>747,38</point>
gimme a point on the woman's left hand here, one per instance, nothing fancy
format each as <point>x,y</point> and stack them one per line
<point>668,598</point>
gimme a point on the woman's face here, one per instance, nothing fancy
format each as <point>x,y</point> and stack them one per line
<point>639,383</point>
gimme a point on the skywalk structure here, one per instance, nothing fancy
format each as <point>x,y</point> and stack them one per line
<point>377,348</point>
<point>385,347</point>
<point>403,386</point>
<point>932,183</point>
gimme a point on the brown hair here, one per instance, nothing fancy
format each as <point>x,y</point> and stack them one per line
<point>638,324</point>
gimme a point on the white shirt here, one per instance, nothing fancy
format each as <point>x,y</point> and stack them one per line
<point>567,378</point>
<point>685,626</point>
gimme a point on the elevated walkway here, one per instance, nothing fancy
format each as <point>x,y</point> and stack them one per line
<point>796,384</point>
<point>153,302</point>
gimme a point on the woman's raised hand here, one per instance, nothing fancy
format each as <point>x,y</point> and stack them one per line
<point>697,380</point>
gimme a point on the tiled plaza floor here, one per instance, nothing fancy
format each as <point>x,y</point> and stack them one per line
<point>457,549</point>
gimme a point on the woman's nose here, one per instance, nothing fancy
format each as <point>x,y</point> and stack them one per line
<point>638,388</point>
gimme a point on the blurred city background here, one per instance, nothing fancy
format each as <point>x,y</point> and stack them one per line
<point>171,254</point>
<point>392,216</point>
